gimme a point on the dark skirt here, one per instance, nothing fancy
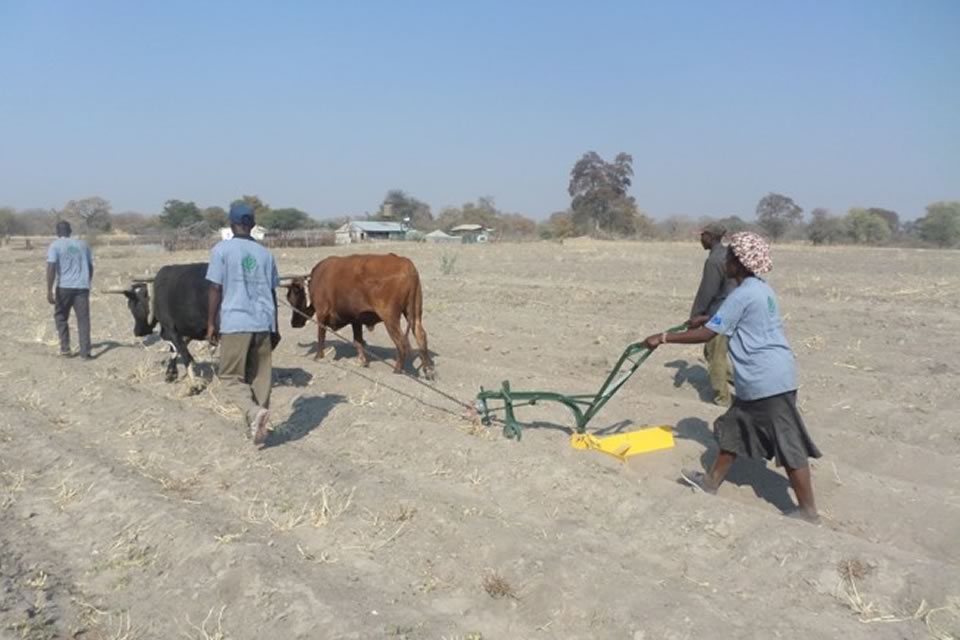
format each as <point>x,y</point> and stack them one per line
<point>768,428</point>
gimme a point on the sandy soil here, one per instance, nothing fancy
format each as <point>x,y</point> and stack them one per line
<point>131,508</point>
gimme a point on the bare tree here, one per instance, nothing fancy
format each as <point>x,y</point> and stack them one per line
<point>93,212</point>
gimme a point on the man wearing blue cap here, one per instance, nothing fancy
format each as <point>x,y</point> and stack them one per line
<point>242,318</point>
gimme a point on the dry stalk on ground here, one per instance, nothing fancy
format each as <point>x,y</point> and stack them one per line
<point>281,519</point>
<point>201,632</point>
<point>11,484</point>
<point>67,495</point>
<point>332,505</point>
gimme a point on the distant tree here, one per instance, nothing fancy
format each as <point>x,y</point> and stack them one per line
<point>676,228</point>
<point>890,217</point>
<point>8,221</point>
<point>483,212</point>
<point>178,214</point>
<point>941,225</point>
<point>286,219</point>
<point>449,217</point>
<point>215,217</point>
<point>825,228</point>
<point>866,227</point>
<point>735,224</point>
<point>333,223</point>
<point>36,222</point>
<point>398,205</point>
<point>776,213</point>
<point>515,225</point>
<point>93,213</point>
<point>134,223</point>
<point>598,190</point>
<point>558,226</point>
<point>258,205</point>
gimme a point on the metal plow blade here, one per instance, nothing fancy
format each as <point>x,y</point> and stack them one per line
<point>623,445</point>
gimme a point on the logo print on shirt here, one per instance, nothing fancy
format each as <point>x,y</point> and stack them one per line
<point>249,263</point>
<point>73,250</point>
<point>771,306</point>
<point>717,320</point>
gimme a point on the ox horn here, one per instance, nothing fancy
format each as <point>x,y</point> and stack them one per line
<point>115,290</point>
<point>287,280</point>
<point>148,280</point>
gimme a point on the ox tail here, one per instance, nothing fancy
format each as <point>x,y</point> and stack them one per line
<point>414,310</point>
<point>414,313</point>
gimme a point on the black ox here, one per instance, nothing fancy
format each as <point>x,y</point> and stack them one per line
<point>179,306</point>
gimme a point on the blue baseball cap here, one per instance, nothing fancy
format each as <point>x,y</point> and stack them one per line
<point>239,211</point>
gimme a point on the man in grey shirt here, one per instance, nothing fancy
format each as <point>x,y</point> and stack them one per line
<point>70,265</point>
<point>714,289</point>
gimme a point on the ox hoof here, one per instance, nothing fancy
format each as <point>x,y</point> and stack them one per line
<point>430,375</point>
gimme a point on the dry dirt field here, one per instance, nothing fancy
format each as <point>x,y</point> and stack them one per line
<point>134,509</point>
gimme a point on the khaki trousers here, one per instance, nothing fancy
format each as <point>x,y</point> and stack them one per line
<point>246,370</point>
<point>719,369</point>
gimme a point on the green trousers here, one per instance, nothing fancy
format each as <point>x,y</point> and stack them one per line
<point>719,369</point>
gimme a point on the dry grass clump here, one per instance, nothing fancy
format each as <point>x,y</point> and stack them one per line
<point>11,483</point>
<point>67,494</point>
<point>325,505</point>
<point>129,551</point>
<point>497,586</point>
<point>852,571</point>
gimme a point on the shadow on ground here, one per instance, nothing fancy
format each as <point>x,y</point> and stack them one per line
<point>99,349</point>
<point>337,350</point>
<point>291,377</point>
<point>308,414</point>
<point>694,375</point>
<point>766,483</point>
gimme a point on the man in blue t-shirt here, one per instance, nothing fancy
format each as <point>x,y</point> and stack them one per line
<point>70,265</point>
<point>242,318</point>
<point>764,421</point>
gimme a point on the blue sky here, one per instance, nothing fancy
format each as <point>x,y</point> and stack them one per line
<point>327,105</point>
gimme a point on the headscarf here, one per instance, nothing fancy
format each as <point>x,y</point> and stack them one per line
<point>752,251</point>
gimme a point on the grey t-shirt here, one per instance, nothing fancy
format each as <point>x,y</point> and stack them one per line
<point>763,363</point>
<point>715,286</point>
<point>73,260</point>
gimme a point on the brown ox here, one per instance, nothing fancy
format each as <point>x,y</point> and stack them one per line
<point>360,291</point>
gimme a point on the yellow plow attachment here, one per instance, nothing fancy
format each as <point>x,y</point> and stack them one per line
<point>624,445</point>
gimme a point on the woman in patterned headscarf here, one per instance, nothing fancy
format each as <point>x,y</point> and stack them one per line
<point>764,421</point>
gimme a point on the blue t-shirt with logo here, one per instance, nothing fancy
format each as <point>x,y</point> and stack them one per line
<point>73,260</point>
<point>248,274</point>
<point>763,363</point>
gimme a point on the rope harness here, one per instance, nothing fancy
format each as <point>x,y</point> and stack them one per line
<point>432,388</point>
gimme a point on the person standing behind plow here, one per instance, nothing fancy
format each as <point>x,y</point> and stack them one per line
<point>714,288</point>
<point>764,421</point>
<point>242,318</point>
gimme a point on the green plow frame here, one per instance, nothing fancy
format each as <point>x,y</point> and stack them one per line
<point>583,406</point>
